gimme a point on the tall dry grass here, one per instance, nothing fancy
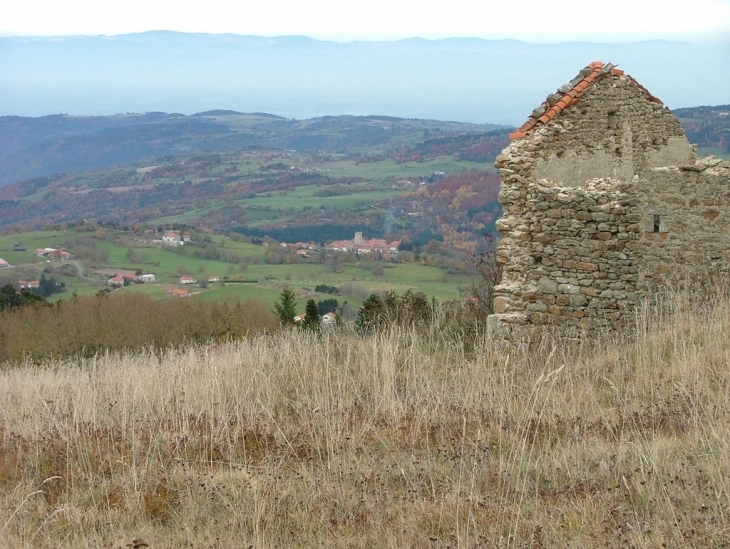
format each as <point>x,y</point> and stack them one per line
<point>397,439</point>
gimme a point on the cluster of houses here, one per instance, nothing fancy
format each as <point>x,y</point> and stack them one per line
<point>120,280</point>
<point>365,246</point>
<point>53,253</point>
<point>302,249</point>
<point>358,245</point>
<point>187,279</point>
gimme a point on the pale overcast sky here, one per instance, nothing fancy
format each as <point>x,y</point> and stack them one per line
<point>531,20</point>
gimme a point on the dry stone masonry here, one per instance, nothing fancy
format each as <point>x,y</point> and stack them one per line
<point>605,205</point>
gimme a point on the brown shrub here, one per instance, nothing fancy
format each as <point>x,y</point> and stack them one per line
<point>86,326</point>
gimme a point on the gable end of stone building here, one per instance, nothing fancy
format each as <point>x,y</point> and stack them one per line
<point>605,204</point>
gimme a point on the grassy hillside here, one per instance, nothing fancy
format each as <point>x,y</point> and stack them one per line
<point>398,439</point>
<point>245,270</point>
<point>317,180</point>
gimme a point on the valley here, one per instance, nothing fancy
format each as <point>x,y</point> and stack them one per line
<point>218,267</point>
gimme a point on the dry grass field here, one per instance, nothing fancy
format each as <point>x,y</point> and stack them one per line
<point>392,440</point>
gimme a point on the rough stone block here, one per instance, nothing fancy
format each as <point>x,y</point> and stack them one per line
<point>547,286</point>
<point>568,289</point>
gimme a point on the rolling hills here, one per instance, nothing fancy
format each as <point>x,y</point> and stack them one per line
<point>313,180</point>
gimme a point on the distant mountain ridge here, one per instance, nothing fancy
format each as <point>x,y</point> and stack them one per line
<point>466,79</point>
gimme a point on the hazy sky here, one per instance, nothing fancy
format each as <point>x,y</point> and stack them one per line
<point>531,20</point>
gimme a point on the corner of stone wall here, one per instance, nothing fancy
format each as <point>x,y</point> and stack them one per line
<point>509,328</point>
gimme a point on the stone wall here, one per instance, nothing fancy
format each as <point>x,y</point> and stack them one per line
<point>614,131</point>
<point>595,223</point>
<point>686,231</point>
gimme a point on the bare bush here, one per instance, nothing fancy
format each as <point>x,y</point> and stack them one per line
<point>85,326</point>
<point>489,270</point>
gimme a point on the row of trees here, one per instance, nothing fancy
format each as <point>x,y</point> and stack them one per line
<point>87,325</point>
<point>10,299</point>
<point>286,311</point>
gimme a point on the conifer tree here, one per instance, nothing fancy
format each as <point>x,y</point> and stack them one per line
<point>311,317</point>
<point>286,308</point>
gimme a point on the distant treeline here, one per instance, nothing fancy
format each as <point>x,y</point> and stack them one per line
<point>707,126</point>
<point>473,147</point>
<point>313,233</point>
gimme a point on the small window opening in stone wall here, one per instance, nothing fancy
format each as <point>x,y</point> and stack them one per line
<point>655,223</point>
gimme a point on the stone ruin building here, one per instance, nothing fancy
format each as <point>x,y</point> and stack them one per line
<point>605,204</point>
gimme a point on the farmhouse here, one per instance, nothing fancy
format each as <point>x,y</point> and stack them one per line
<point>54,253</point>
<point>115,281</point>
<point>605,204</point>
<point>120,280</point>
<point>173,238</point>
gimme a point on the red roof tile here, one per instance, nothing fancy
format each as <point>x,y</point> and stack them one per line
<point>594,72</point>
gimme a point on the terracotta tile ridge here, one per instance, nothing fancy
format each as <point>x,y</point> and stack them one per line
<point>546,112</point>
<point>568,96</point>
<point>646,92</point>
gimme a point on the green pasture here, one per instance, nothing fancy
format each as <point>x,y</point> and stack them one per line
<point>155,291</point>
<point>186,217</point>
<point>245,249</point>
<point>294,199</point>
<point>356,279</point>
<point>34,239</point>
<point>398,277</point>
<point>242,291</point>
